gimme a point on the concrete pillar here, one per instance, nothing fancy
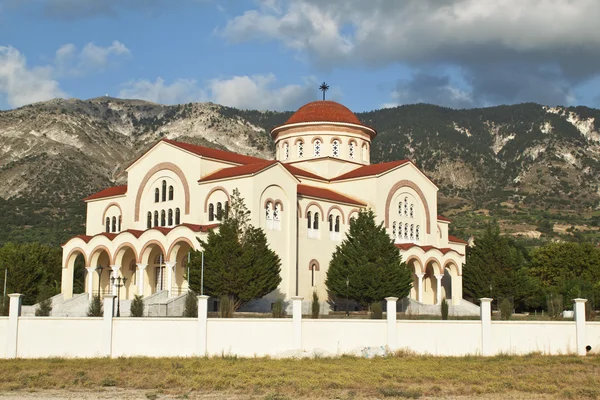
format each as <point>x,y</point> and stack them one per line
<point>89,284</point>
<point>420,287</point>
<point>297,322</point>
<point>457,290</point>
<point>438,291</point>
<point>12,336</point>
<point>66,282</point>
<point>170,266</point>
<point>579,308</point>
<point>107,324</point>
<point>141,271</point>
<point>202,325</point>
<point>486,326</point>
<point>115,269</point>
<point>391,323</point>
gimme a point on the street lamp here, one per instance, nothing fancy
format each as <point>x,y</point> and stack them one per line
<point>347,290</point>
<point>118,285</point>
<point>99,270</point>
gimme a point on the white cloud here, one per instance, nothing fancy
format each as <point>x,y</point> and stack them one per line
<point>91,58</point>
<point>180,91</point>
<point>22,84</point>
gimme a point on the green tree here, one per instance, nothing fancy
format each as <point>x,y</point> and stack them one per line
<point>95,309</point>
<point>191,305</point>
<point>136,309</point>
<point>238,262</point>
<point>368,259</point>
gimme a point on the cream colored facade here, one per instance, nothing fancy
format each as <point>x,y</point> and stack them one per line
<point>143,231</point>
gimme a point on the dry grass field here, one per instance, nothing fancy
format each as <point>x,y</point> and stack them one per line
<point>402,376</point>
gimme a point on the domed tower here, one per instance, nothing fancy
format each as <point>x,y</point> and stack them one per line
<point>322,129</point>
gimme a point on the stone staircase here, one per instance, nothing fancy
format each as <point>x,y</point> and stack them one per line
<point>76,306</point>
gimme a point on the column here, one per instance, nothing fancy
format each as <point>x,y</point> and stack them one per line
<point>89,285</point>
<point>66,285</point>
<point>457,290</point>
<point>202,325</point>
<point>170,266</point>
<point>486,326</point>
<point>420,287</point>
<point>114,274</point>
<point>297,322</point>
<point>12,336</point>
<point>438,292</point>
<point>141,271</point>
<point>107,324</point>
<point>391,323</point>
<point>579,308</point>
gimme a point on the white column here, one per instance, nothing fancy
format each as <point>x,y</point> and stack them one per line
<point>66,285</point>
<point>457,290</point>
<point>114,274</point>
<point>202,325</point>
<point>170,266</point>
<point>90,282</point>
<point>391,323</point>
<point>141,271</point>
<point>438,292</point>
<point>297,322</point>
<point>107,324</point>
<point>420,288</point>
<point>579,308</point>
<point>12,336</point>
<point>486,326</point>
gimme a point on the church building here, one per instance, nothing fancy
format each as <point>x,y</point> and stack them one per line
<point>304,200</point>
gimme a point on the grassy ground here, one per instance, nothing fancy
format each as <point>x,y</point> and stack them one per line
<point>402,376</point>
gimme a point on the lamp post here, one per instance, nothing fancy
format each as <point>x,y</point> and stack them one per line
<point>347,291</point>
<point>118,285</point>
<point>99,270</point>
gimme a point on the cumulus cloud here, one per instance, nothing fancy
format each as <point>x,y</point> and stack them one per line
<point>433,89</point>
<point>91,58</point>
<point>507,50</point>
<point>22,84</point>
<point>180,91</point>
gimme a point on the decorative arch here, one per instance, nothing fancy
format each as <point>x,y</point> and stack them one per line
<point>334,207</point>
<point>150,243</point>
<point>315,263</point>
<point>157,168</point>
<point>335,138</point>
<point>76,250</point>
<point>417,260</point>
<point>413,186</point>
<point>318,206</point>
<point>215,189</point>
<point>315,138</point>
<point>452,265</point>
<point>280,204</point>
<point>121,247</point>
<point>109,206</point>
<point>97,249</point>
<point>436,262</point>
<point>354,210</point>
<point>298,139</point>
<point>176,242</point>
<point>267,200</point>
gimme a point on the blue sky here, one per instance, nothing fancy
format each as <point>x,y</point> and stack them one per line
<point>272,54</point>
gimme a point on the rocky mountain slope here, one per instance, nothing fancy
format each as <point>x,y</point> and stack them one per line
<point>524,164</point>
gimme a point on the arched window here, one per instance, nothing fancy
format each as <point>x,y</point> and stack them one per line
<point>312,274</point>
<point>268,214</point>
<point>300,148</point>
<point>406,206</point>
<point>177,216</point>
<point>286,151</point>
<point>405,231</point>
<point>211,212</point>
<point>351,150</point>
<point>163,219</point>
<point>412,231</point>
<point>316,221</point>
<point>164,190</point>
<point>400,231</point>
<point>114,224</point>
<point>156,195</point>
<point>330,219</point>
<point>155,218</point>
<point>219,211</point>
<point>417,233</point>
<point>412,212</point>
<point>120,221</point>
<point>335,148</point>
<point>337,224</point>
<point>394,229</point>
<point>170,192</point>
<point>170,217</point>
<point>309,220</point>
<point>317,148</point>
<point>107,224</point>
<point>149,220</point>
<point>226,209</point>
<point>277,217</point>
<point>364,152</point>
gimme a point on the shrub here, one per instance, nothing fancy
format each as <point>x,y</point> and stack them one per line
<point>555,305</point>
<point>444,309</point>
<point>95,308</point>
<point>44,308</point>
<point>506,309</point>
<point>315,306</point>
<point>278,309</point>
<point>226,307</point>
<point>376,311</point>
<point>191,305</point>
<point>137,306</point>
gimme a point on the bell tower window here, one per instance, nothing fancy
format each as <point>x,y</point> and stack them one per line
<point>351,150</point>
<point>317,148</point>
<point>335,152</point>
<point>300,148</point>
<point>286,151</point>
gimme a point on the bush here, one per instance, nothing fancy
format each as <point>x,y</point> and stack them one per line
<point>278,309</point>
<point>226,307</point>
<point>137,306</point>
<point>315,306</point>
<point>191,305</point>
<point>95,309</point>
<point>445,308</point>
<point>506,309</point>
<point>555,305</point>
<point>45,308</point>
<point>376,310</point>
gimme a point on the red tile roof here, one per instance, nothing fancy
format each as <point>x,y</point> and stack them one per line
<point>454,239</point>
<point>327,194</point>
<point>300,172</point>
<point>110,192</point>
<point>442,218</point>
<point>370,170</point>
<point>241,170</point>
<point>214,153</point>
<point>406,246</point>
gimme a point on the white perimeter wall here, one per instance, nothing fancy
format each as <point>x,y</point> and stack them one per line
<point>3,331</point>
<point>342,336</point>
<point>521,337</point>
<point>440,338</point>
<point>592,330</point>
<point>154,337</point>
<point>249,337</point>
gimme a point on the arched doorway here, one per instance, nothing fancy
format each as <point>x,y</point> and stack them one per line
<point>153,255</point>
<point>179,253</point>
<point>126,260</point>
<point>430,282</point>
<point>417,273</point>
<point>74,274</point>
<point>447,285</point>
<point>101,270</point>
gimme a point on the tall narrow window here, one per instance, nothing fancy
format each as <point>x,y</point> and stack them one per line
<point>406,206</point>
<point>155,218</point>
<point>309,220</point>
<point>405,231</point>
<point>120,221</point>
<point>400,236</point>
<point>317,148</point>
<point>163,218</point>
<point>300,148</point>
<point>312,275</point>
<point>177,216</point>
<point>412,232</point>
<point>286,151</point>
<point>394,229</point>
<point>335,148</point>
<point>337,224</point>
<point>226,209</point>
<point>211,212</point>
<point>164,190</point>
<point>114,224</point>
<point>351,150</point>
<point>316,221</point>
<point>170,192</point>
<point>170,217</point>
<point>277,217</point>
<point>107,224</point>
<point>268,211</point>
<point>330,220</point>
<point>149,220</point>
<point>412,210</point>
<point>364,152</point>
<point>417,233</point>
<point>219,211</point>
<point>156,195</point>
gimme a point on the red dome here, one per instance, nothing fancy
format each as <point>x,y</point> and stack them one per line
<point>323,111</point>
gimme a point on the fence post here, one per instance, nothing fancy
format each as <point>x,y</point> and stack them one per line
<point>14,313</point>
<point>202,325</point>
<point>391,323</point>
<point>297,321</point>
<point>579,308</point>
<point>486,326</point>
<point>107,322</point>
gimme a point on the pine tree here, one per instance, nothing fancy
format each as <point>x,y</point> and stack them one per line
<point>238,262</point>
<point>136,309</point>
<point>95,309</point>
<point>191,305</point>
<point>370,262</point>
